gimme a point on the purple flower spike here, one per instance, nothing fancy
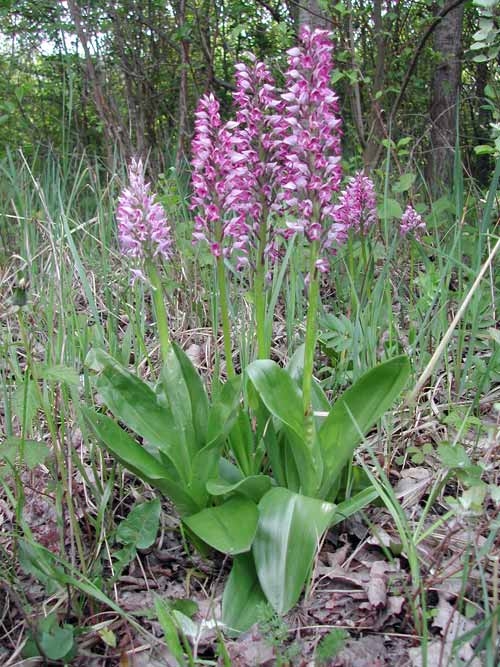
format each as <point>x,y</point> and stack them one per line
<point>307,131</point>
<point>211,165</point>
<point>143,230</point>
<point>357,206</point>
<point>411,222</point>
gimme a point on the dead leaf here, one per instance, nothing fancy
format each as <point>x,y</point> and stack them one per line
<point>377,585</point>
<point>365,652</point>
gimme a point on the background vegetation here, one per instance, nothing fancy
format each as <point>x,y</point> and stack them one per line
<point>85,86</point>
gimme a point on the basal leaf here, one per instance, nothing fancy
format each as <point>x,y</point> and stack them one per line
<point>137,405</point>
<point>229,528</point>
<point>243,597</point>
<point>283,398</point>
<point>252,487</point>
<point>355,412</point>
<point>288,533</point>
<point>136,459</point>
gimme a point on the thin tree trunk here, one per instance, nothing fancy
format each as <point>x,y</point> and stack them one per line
<point>376,127</point>
<point>445,88</point>
<point>311,14</point>
<point>114,133</point>
<point>182,136</point>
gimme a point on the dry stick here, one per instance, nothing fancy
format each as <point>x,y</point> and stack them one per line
<point>440,348</point>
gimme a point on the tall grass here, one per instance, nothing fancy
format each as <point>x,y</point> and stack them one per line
<point>57,231</point>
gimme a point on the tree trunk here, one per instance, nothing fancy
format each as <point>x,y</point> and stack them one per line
<point>376,127</point>
<point>311,14</point>
<point>445,88</point>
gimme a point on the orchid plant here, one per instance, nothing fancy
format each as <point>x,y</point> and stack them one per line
<point>259,473</point>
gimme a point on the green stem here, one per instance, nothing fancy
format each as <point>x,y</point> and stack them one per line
<point>159,308</point>
<point>224,310</point>
<point>260,295</point>
<point>310,341</point>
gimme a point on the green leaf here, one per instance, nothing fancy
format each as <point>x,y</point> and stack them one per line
<point>136,459</point>
<point>141,525</point>
<point>224,411</point>
<point>169,627</point>
<point>355,412</point>
<point>405,182</point>
<point>288,533</point>
<point>243,597</point>
<point>280,394</point>
<point>389,209</point>
<point>57,643</point>
<point>229,528</point>
<point>283,398</point>
<point>295,368</point>
<point>453,456</point>
<point>34,452</point>
<point>352,505</point>
<point>60,373</point>
<point>26,402</point>
<point>252,487</point>
<point>186,397</point>
<point>136,404</point>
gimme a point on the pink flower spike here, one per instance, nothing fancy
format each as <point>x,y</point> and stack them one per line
<point>143,230</point>
<point>411,222</point>
<point>357,206</point>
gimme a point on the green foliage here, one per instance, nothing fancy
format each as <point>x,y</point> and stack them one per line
<point>330,645</point>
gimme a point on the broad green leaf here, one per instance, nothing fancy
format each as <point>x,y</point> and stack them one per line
<point>404,183</point>
<point>453,456</point>
<point>141,525</point>
<point>355,412</point>
<point>204,466</point>
<point>389,208</point>
<point>57,643</point>
<point>137,405</point>
<point>253,487</point>
<point>186,397</point>
<point>295,368</point>
<point>280,394</point>
<point>60,373</point>
<point>242,442</point>
<point>136,459</point>
<point>243,597</point>
<point>228,472</point>
<point>229,528</point>
<point>34,452</point>
<point>288,533</point>
<point>283,398</point>
<point>224,411</point>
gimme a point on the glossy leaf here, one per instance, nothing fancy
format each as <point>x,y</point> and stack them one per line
<point>184,390</point>
<point>137,405</point>
<point>243,597</point>
<point>283,398</point>
<point>229,528</point>
<point>355,412</point>
<point>280,394</point>
<point>252,487</point>
<point>288,533</point>
<point>136,459</point>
